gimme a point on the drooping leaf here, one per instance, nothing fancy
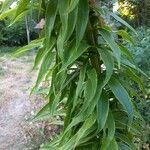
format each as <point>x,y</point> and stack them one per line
<point>134,67</point>
<point>76,138</point>
<point>123,22</point>
<point>113,145</point>
<point>47,62</point>
<point>125,51</point>
<point>50,17</point>
<point>86,125</point>
<point>44,113</point>
<point>76,53</point>
<point>123,97</point>
<point>126,140</point>
<point>64,27</point>
<point>6,4</point>
<point>107,58</point>
<point>79,85</point>
<point>42,52</point>
<point>102,111</point>
<point>111,132</point>
<point>73,4</point>
<point>110,40</point>
<point>136,78</point>
<point>72,18</point>
<point>90,93</point>
<point>21,10</point>
<point>125,36</point>
<point>90,88</point>
<point>7,13</point>
<point>82,20</point>
<point>31,45</point>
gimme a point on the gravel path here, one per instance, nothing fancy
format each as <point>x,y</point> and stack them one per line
<point>16,107</point>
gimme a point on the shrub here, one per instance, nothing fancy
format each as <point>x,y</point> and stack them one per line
<point>15,35</point>
<point>90,75</point>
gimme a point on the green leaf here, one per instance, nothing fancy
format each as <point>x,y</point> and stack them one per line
<point>126,140</point>
<point>90,88</point>
<point>94,102</point>
<point>90,92</point>
<point>73,4</point>
<point>111,132</point>
<point>47,62</point>
<point>124,147</point>
<point>80,134</point>
<point>123,97</point>
<point>123,22</point>
<point>50,17</point>
<point>64,27</point>
<point>136,78</point>
<point>31,45</point>
<point>7,13</point>
<point>76,53</point>
<point>133,66</point>
<point>88,123</point>
<point>72,19</point>
<point>125,36</point>
<point>6,4</point>
<point>107,58</point>
<point>113,145</point>
<point>82,20</point>
<point>102,111</point>
<point>42,52</point>
<point>110,40</point>
<point>57,122</point>
<point>21,10</point>
<point>125,51</point>
<point>79,85</point>
<point>44,113</point>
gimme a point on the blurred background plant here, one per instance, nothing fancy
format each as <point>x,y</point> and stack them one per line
<point>15,35</point>
<point>141,54</point>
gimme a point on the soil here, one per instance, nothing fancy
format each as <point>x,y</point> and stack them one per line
<point>17,108</point>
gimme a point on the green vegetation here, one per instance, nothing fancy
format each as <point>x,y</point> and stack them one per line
<point>15,35</point>
<point>93,81</point>
<point>7,49</point>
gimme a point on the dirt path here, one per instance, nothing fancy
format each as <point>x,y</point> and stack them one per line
<point>16,107</point>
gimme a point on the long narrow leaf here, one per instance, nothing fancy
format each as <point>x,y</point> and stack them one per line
<point>123,97</point>
<point>123,22</point>
<point>82,20</point>
<point>110,40</point>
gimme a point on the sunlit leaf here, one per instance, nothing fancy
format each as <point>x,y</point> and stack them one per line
<point>123,22</point>
<point>125,36</point>
<point>51,12</point>
<point>31,45</point>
